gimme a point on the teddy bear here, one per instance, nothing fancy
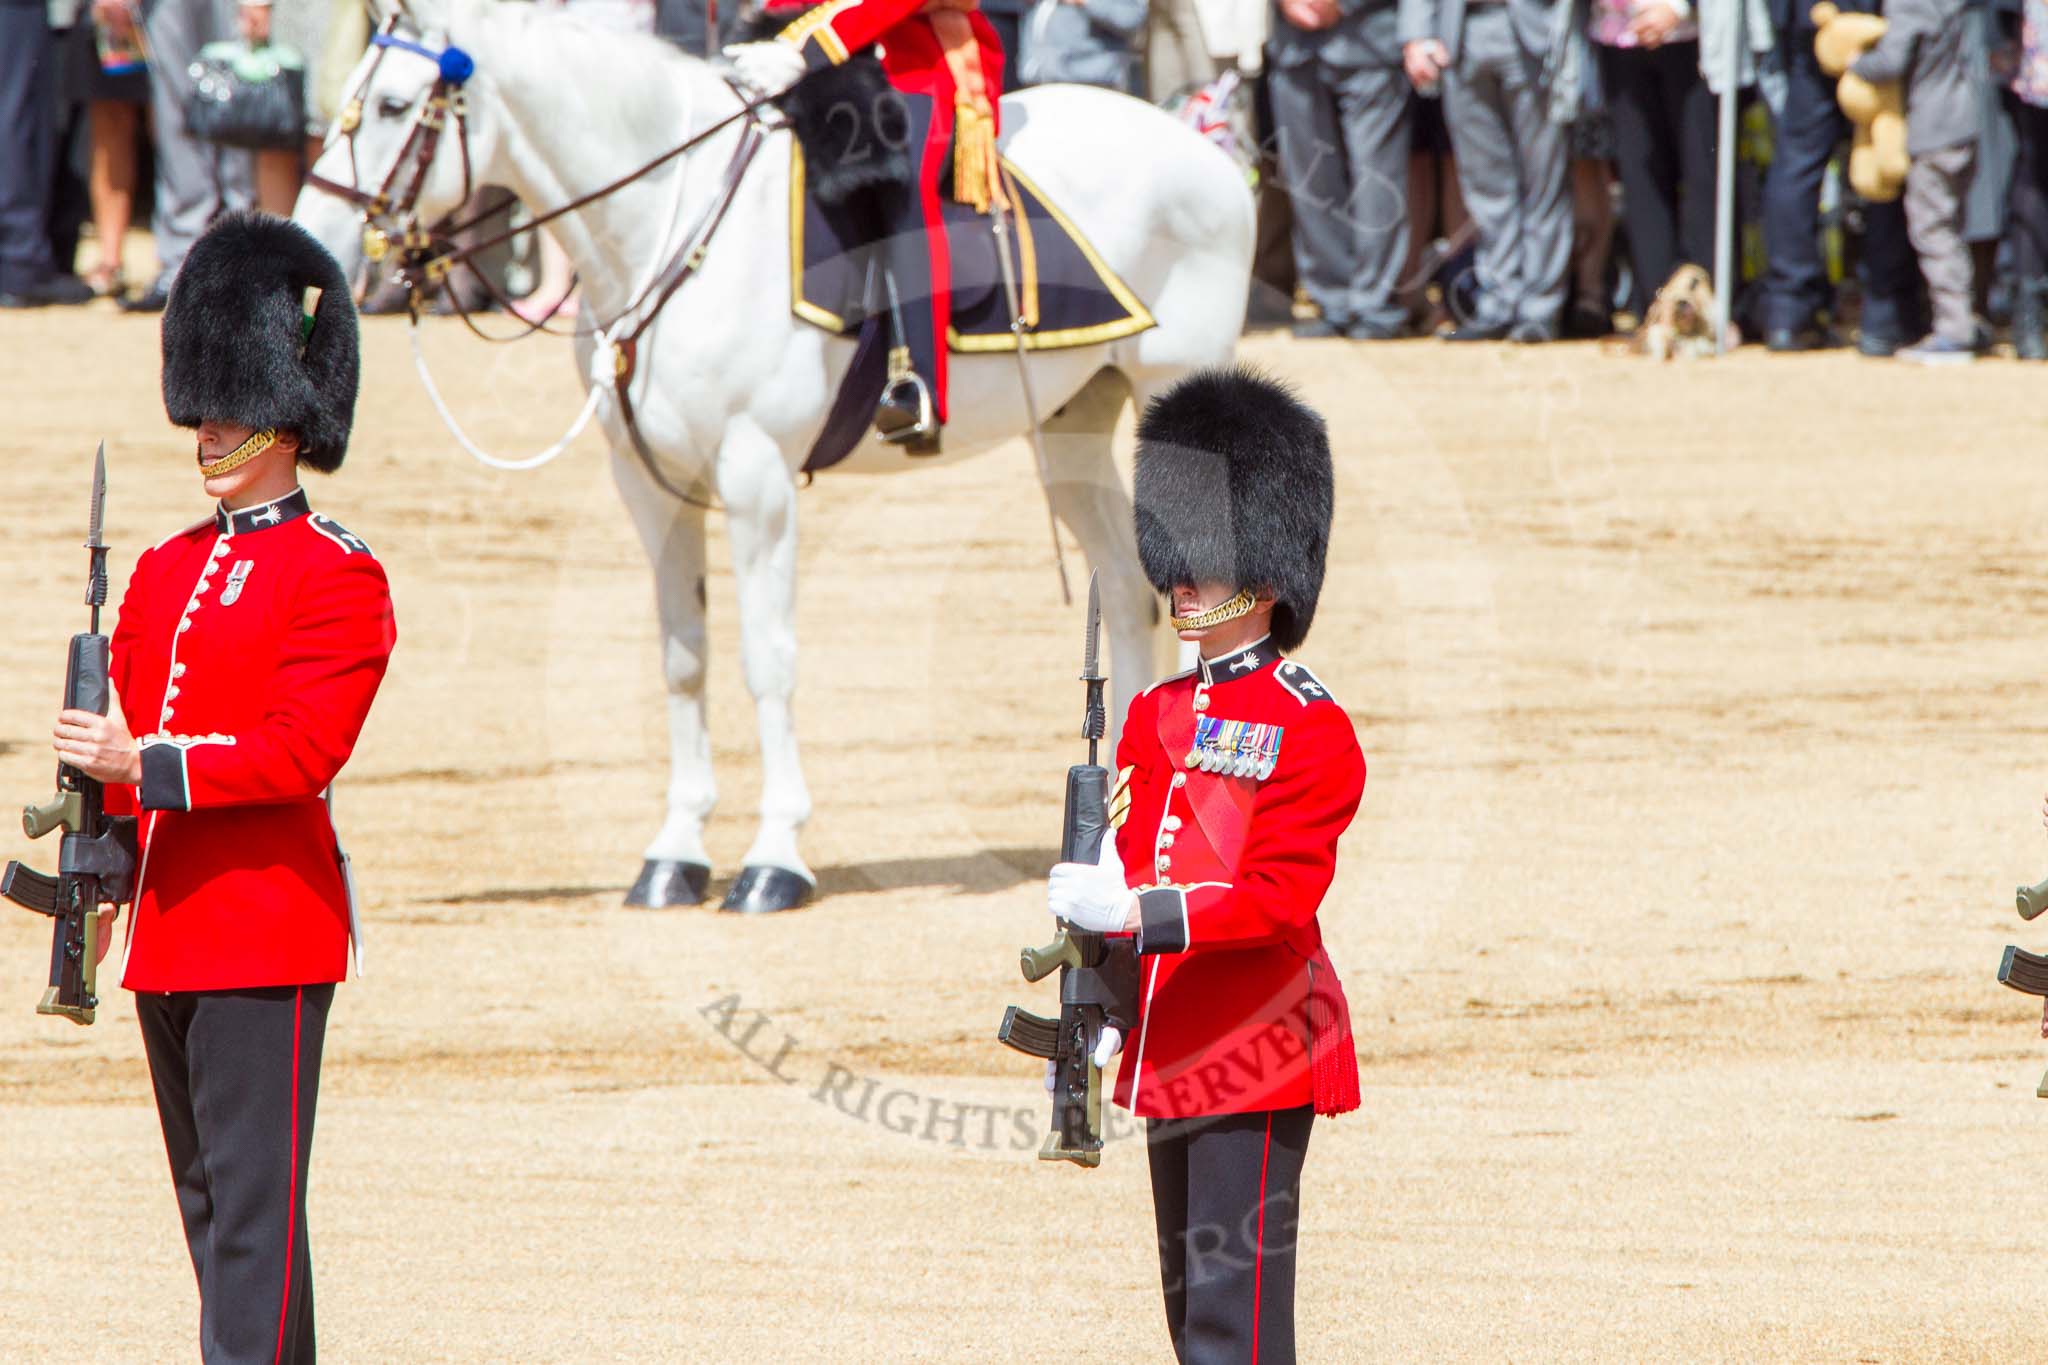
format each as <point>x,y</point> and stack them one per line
<point>1877,150</point>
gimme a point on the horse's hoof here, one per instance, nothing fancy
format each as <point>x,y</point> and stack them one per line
<point>764,890</point>
<point>663,883</point>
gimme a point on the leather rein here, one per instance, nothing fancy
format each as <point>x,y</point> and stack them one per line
<point>426,255</point>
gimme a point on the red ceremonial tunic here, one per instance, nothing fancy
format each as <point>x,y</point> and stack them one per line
<point>247,653</point>
<point>911,54</point>
<point>1231,854</point>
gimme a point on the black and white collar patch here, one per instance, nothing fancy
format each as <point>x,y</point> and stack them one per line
<point>349,541</point>
<point>1304,686</point>
<point>1243,664</point>
<point>276,512</point>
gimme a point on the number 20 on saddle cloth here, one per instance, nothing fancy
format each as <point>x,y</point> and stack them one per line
<point>943,59</point>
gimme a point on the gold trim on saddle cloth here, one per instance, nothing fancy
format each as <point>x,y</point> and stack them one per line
<point>798,304</point>
<point>1140,318</point>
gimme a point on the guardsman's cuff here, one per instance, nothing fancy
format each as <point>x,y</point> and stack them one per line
<point>165,785</point>
<point>1162,920</point>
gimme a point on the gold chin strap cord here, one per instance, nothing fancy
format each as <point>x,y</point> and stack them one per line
<point>248,450</point>
<point>1217,615</point>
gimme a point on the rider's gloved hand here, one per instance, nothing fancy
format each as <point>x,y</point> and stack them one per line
<point>771,67</point>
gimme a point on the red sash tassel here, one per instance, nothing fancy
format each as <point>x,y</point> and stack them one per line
<point>1333,1052</point>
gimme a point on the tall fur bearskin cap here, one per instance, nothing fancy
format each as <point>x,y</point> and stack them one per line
<point>1234,484</point>
<point>236,346</point>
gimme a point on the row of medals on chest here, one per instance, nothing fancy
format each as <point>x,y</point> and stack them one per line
<point>1232,748</point>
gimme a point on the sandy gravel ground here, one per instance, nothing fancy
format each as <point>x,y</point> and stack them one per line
<point>1701,704</point>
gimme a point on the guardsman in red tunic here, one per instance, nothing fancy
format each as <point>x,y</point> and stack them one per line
<point>1235,781</point>
<point>945,61</point>
<point>248,650</point>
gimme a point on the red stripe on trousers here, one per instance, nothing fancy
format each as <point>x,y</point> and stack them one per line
<point>1259,1257</point>
<point>291,1208</point>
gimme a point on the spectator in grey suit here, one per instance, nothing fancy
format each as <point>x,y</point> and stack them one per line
<point>196,181</point>
<point>1340,106</point>
<point>1512,159</point>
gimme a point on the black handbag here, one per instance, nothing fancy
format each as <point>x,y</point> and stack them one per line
<point>248,97</point>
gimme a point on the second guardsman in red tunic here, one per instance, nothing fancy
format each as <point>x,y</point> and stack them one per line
<point>1235,782</point>
<point>249,648</point>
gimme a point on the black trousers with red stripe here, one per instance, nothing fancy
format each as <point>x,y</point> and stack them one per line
<point>1226,1193</point>
<point>237,1074</point>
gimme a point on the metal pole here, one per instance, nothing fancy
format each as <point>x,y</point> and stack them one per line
<point>1724,172</point>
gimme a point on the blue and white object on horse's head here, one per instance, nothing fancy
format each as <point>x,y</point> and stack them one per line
<point>455,65</point>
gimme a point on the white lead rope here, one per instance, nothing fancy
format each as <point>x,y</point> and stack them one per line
<point>603,359</point>
<point>601,371</point>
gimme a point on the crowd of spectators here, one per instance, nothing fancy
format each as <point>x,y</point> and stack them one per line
<point>1541,106</point>
<point>1488,170</point>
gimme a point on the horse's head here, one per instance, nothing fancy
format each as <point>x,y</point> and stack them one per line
<point>410,140</point>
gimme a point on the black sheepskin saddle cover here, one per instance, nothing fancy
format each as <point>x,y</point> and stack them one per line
<point>830,111</point>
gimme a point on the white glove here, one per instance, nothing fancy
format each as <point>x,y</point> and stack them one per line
<point>1106,1047</point>
<point>1091,896</point>
<point>771,67</point>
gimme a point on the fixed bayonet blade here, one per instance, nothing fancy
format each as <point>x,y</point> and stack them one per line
<point>99,501</point>
<point>1091,658</point>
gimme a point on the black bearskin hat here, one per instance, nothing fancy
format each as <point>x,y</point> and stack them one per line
<point>1233,484</point>
<point>236,345</point>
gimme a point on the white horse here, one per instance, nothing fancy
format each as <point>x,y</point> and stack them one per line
<point>731,388</point>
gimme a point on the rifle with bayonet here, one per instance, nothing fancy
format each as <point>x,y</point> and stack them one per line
<point>96,857</point>
<point>1098,979</point>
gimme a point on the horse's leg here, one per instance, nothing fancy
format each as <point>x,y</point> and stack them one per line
<point>676,868</point>
<point>760,503</point>
<point>1089,497</point>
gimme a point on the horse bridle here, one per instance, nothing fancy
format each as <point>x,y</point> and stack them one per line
<point>388,214</point>
<point>427,254</point>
